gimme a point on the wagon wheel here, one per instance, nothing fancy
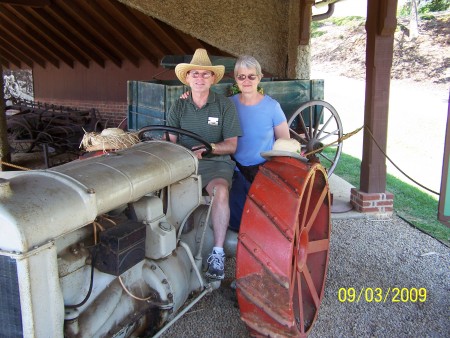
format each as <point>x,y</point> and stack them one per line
<point>316,124</point>
<point>283,248</point>
<point>20,137</point>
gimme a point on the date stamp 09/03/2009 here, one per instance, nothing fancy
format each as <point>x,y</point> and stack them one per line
<point>380,295</point>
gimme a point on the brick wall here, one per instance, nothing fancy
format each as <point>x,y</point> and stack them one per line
<point>111,114</point>
<point>104,89</point>
<point>379,203</point>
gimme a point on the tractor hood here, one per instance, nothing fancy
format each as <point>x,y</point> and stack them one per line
<point>83,189</point>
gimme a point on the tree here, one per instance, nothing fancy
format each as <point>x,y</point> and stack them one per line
<point>413,21</point>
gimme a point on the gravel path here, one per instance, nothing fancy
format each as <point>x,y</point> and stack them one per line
<point>364,254</point>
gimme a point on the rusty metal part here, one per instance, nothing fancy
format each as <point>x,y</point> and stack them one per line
<point>283,248</point>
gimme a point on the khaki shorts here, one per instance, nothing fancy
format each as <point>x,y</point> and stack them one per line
<point>221,166</point>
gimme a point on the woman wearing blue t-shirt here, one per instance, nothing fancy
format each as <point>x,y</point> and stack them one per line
<point>262,122</point>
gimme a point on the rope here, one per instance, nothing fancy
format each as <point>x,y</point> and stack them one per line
<point>339,140</point>
<point>13,165</point>
<point>348,135</point>
<point>378,146</point>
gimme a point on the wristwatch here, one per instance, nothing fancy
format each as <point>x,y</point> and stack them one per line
<point>213,147</point>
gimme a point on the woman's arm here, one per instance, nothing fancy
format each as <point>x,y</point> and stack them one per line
<point>282,131</point>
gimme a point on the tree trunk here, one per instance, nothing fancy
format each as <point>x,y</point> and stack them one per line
<point>413,21</point>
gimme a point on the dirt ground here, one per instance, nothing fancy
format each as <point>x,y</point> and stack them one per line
<point>426,59</point>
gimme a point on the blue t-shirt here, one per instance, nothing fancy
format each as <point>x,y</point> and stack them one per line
<point>257,123</point>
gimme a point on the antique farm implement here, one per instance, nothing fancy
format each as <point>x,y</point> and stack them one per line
<point>114,245</point>
<point>34,124</point>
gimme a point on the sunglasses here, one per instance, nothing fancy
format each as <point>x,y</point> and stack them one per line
<point>242,77</point>
<point>205,75</point>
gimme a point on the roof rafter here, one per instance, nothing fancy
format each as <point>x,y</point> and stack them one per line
<point>126,44</point>
<point>39,33</point>
<point>22,35</point>
<point>57,33</point>
<point>52,42</point>
<point>78,36</point>
<point>101,36</point>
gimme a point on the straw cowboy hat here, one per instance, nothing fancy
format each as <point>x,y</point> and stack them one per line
<point>200,61</point>
<point>108,139</point>
<point>285,147</point>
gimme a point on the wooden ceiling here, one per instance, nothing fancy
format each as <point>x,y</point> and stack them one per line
<point>42,32</point>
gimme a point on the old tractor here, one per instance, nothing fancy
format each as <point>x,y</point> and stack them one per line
<point>114,245</point>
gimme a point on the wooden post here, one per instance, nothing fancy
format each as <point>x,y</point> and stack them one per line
<point>380,26</point>
<point>305,21</point>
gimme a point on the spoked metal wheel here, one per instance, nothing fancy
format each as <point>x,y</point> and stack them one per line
<point>20,137</point>
<point>283,248</point>
<point>316,124</point>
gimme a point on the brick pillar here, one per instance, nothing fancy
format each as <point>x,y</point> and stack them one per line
<point>381,204</point>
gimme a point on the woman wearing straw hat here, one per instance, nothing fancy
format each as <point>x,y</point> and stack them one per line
<point>214,117</point>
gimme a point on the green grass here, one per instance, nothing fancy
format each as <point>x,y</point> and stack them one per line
<point>341,21</point>
<point>348,20</point>
<point>413,205</point>
<point>315,29</point>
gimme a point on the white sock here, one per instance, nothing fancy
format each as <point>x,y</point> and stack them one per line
<point>218,250</point>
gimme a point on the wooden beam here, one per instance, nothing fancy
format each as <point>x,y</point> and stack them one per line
<point>139,25</point>
<point>17,52</point>
<point>22,47</point>
<point>24,37</point>
<point>379,54</point>
<point>305,21</point>
<point>126,44</point>
<point>45,37</point>
<point>10,57</point>
<point>101,36</point>
<point>5,63</point>
<point>70,29</point>
<point>151,28</point>
<point>57,36</point>
<point>28,3</point>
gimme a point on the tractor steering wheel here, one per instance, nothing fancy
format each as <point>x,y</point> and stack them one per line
<point>206,144</point>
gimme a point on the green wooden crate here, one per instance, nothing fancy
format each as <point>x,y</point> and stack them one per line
<point>150,101</point>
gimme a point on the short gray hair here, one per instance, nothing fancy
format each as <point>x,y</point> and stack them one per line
<point>247,61</point>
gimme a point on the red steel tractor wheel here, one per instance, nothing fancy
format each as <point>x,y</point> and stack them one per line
<point>283,248</point>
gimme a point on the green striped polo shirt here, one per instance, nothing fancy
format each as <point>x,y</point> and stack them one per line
<point>216,121</point>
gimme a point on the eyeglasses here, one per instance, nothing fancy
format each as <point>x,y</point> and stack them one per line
<point>205,75</point>
<point>242,77</point>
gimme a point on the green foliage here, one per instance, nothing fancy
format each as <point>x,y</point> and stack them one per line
<point>405,10</point>
<point>348,20</point>
<point>234,89</point>
<point>427,17</point>
<point>413,205</point>
<point>315,29</point>
<point>341,21</point>
<point>317,33</point>
<point>317,24</point>
<point>434,6</point>
<point>424,7</point>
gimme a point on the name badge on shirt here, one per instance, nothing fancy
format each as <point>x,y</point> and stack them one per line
<point>213,121</point>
